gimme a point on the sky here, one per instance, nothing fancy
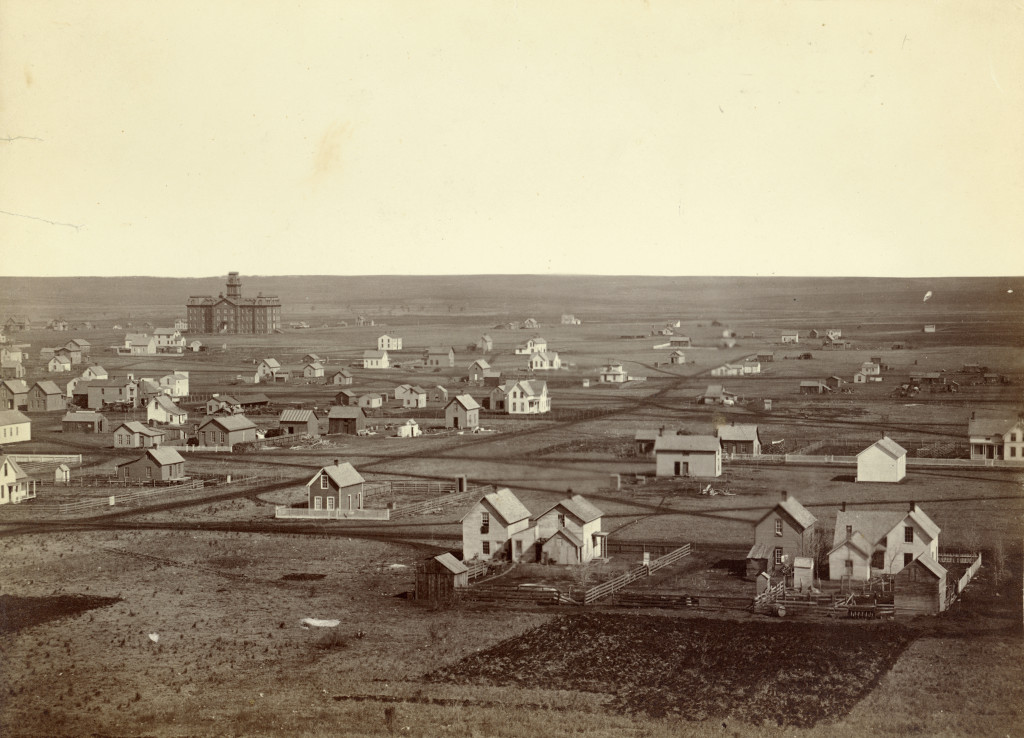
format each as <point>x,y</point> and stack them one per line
<point>465,137</point>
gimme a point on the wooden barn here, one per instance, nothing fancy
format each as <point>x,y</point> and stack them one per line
<point>440,577</point>
<point>84,422</point>
<point>920,587</point>
<point>462,412</point>
<point>158,464</point>
<point>347,420</point>
<point>299,422</point>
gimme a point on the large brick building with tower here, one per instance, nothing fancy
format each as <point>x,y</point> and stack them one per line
<point>232,313</point>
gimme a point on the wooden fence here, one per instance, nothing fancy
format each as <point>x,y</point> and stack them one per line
<point>302,513</point>
<point>47,459</point>
<point>97,505</point>
<point>477,569</point>
<point>440,503</point>
<point>918,461</point>
<point>953,593</point>
<point>604,589</point>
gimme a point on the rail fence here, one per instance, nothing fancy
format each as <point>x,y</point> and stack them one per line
<point>953,593</point>
<point>605,589</point>
<point>435,505</point>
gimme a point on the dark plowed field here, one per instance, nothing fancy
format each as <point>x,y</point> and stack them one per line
<point>24,612</point>
<point>773,672</point>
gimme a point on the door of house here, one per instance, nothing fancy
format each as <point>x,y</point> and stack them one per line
<point>455,421</point>
<point>519,549</point>
<point>678,468</point>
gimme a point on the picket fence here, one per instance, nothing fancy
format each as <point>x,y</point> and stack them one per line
<point>852,460</point>
<point>301,513</point>
<point>97,505</point>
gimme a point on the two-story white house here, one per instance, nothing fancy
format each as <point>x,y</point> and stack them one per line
<point>533,346</point>
<point>523,397</point>
<point>570,532</point>
<point>866,542</point>
<point>389,343</point>
<point>267,370</point>
<point>175,384</point>
<point>613,374</point>
<point>498,526</point>
<point>996,436</point>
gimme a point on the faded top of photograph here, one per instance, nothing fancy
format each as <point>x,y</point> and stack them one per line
<point>460,137</point>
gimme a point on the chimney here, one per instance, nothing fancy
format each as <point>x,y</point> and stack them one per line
<point>336,462</point>
<point>784,495</point>
<point>913,506</point>
<point>842,507</point>
<point>661,431</point>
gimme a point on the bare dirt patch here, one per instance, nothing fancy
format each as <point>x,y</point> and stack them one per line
<point>17,613</point>
<point>782,674</point>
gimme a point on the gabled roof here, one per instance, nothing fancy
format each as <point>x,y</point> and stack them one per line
<point>888,446</point>
<point>48,387</point>
<point>226,399</point>
<point>813,383</point>
<point>742,432</point>
<point>533,387</point>
<point>932,565</point>
<point>118,382</point>
<point>647,434</point>
<point>451,563</point>
<point>567,535</point>
<point>578,507</point>
<point>374,354</point>
<point>505,505</point>
<point>229,422</point>
<point>168,405</point>
<point>291,415</point>
<point>347,393</point>
<point>687,443</point>
<point>18,472</point>
<point>440,350</point>
<point>988,426</point>
<point>82,416</point>
<point>134,426</point>
<point>466,401</point>
<point>714,390</point>
<point>346,412</point>
<point>16,386</point>
<point>254,398</point>
<point>792,507</point>
<point>12,417</point>
<point>545,355</point>
<point>314,365</point>
<point>95,369</point>
<point>312,357</point>
<point>481,363</point>
<point>342,372</point>
<point>343,475</point>
<point>164,456</point>
<point>875,525</point>
<point>272,363</point>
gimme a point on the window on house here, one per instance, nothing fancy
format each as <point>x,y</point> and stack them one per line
<point>849,566</point>
<point>561,520</point>
<point>485,522</point>
<point>778,556</point>
<point>908,559</point>
<point>778,526</point>
<point>324,484</point>
<point>485,548</point>
<point>908,534</point>
<point>318,503</point>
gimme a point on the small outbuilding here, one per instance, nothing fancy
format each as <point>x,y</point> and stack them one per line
<point>688,456</point>
<point>462,412</point>
<point>920,587</point>
<point>157,465</point>
<point>299,422</point>
<point>883,461</point>
<point>439,578</point>
<point>84,422</point>
<point>346,420</point>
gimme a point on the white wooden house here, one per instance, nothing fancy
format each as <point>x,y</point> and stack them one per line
<point>161,409</point>
<point>613,373</point>
<point>570,532</point>
<point>996,436</point>
<point>313,370</point>
<point>58,365</point>
<point>408,429</point>
<point>15,427</point>
<point>15,484</point>
<point>888,541</point>
<point>544,361</point>
<point>477,370</point>
<point>532,346</point>
<point>688,456</point>
<point>523,397</point>
<point>677,357</point>
<point>267,370</point>
<point>498,526</point>
<point>484,343</point>
<point>175,384</point>
<point>389,343</point>
<point>376,360</point>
